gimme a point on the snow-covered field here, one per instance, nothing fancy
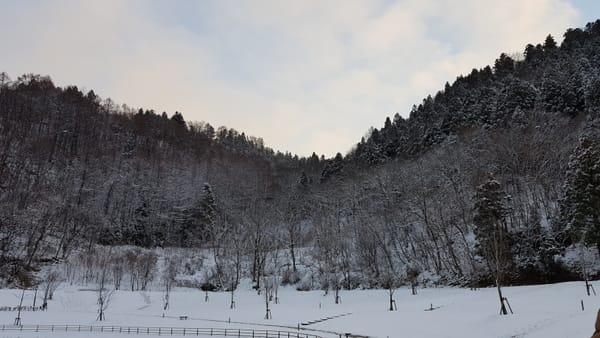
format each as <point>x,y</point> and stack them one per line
<point>549,311</point>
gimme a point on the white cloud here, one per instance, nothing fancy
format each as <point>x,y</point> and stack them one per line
<point>304,75</point>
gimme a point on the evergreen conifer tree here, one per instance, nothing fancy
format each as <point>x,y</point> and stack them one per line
<point>580,206</point>
<point>492,232</point>
<point>549,43</point>
<point>208,208</point>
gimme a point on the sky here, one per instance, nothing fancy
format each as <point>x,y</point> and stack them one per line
<point>309,75</point>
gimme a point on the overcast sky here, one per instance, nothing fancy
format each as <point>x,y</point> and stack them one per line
<point>303,75</point>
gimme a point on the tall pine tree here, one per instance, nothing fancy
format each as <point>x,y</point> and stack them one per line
<point>492,231</point>
<point>580,206</point>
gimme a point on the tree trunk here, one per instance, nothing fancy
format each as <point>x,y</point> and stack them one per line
<point>502,306</point>
<point>294,257</point>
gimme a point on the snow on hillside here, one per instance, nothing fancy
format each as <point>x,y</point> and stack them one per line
<point>549,311</point>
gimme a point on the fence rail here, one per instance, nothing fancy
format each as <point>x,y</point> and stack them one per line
<point>22,308</point>
<point>160,331</point>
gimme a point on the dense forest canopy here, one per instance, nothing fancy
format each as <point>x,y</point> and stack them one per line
<point>500,149</point>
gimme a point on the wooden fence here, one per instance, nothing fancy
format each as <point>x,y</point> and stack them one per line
<point>22,308</point>
<point>161,331</point>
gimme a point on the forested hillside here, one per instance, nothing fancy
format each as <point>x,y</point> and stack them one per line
<point>499,171</point>
<point>545,79</point>
<point>78,170</point>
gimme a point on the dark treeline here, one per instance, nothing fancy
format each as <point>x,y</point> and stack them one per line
<point>494,179</point>
<point>546,79</point>
<point>76,170</point>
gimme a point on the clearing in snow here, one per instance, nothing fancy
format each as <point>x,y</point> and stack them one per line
<point>548,311</point>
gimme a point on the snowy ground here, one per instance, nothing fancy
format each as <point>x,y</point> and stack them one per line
<point>540,311</point>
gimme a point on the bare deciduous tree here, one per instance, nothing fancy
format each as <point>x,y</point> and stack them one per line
<point>104,295</point>
<point>51,281</point>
